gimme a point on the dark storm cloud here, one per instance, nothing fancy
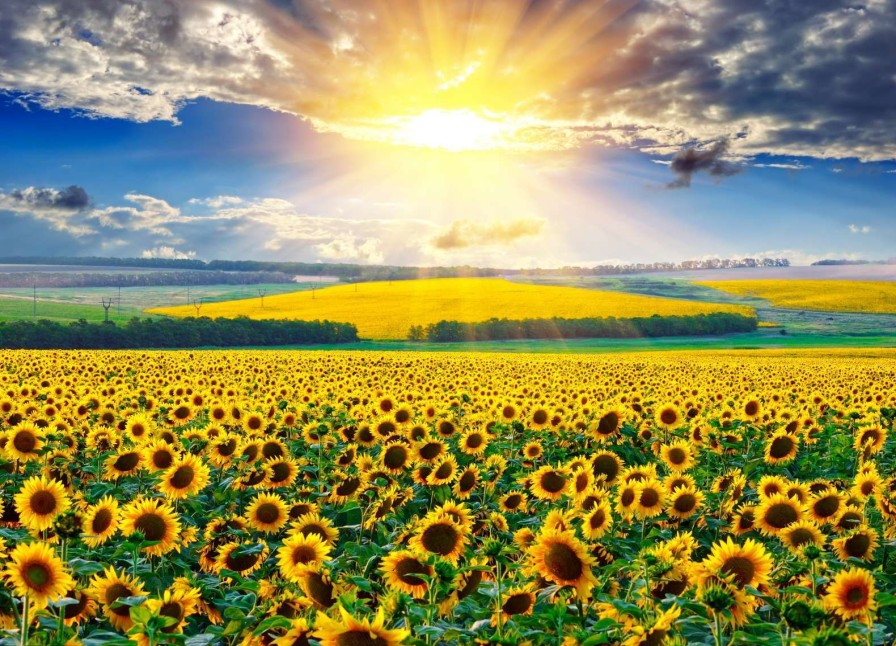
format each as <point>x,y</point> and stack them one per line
<point>72,198</point>
<point>710,160</point>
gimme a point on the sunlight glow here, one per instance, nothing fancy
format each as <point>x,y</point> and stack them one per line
<point>453,130</point>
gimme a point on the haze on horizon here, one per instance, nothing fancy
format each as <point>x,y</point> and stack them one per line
<point>423,132</point>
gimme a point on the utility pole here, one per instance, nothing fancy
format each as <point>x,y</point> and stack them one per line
<point>262,292</point>
<point>106,306</point>
<point>198,305</point>
<point>188,294</point>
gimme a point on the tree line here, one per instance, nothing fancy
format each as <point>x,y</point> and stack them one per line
<point>562,328</point>
<point>171,333</point>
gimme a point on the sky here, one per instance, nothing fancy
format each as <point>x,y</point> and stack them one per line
<point>508,133</point>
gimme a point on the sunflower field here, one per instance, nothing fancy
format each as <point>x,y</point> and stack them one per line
<point>352,499</point>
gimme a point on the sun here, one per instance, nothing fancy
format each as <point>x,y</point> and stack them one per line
<point>452,130</point>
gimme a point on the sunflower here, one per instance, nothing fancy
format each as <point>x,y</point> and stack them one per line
<point>110,586</point>
<point>176,604</point>
<point>516,601</point>
<point>155,519</point>
<point>24,442</point>
<point>159,456</point>
<point>357,632</point>
<point>650,496</point>
<point>826,506</point>
<point>533,450</point>
<point>83,609</point>
<point>101,521</point>
<point>858,544</point>
<point>281,472</point>
<point>297,635</point>
<point>514,501</point>
<point>777,512</point>
<point>35,571</point>
<point>781,448</point>
<point>348,487</point>
<point>39,501</point>
<point>124,463</point>
<point>562,559</point>
<point>668,417</point>
<point>140,427</point>
<point>626,500</point>
<point>395,458</point>
<point>300,553</point>
<point>851,594</point>
<point>800,535</point>
<point>654,631</point>
<point>242,557</point>
<point>443,471</point>
<point>466,482</point>
<point>598,521</point>
<point>607,424</point>
<point>473,442</point>
<point>870,439</point>
<point>400,571</point>
<point>606,467</point>
<point>742,565</point>
<point>319,588</point>
<point>314,523</point>
<point>684,502</point>
<point>550,483</point>
<point>186,477</point>
<point>267,513</point>
<point>677,456</point>
<point>221,450</point>
<point>866,484</point>
<point>440,536</point>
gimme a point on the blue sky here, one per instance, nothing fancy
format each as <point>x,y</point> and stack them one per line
<point>261,172</point>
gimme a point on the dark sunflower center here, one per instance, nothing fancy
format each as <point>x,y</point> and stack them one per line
<point>402,416</point>
<point>183,477</point>
<point>430,451</point>
<point>43,503</point>
<point>517,604</point>
<point>471,582</point>
<point>857,546</point>
<point>474,441</point>
<point>272,450</point>
<point>628,497</point>
<point>677,455</point>
<point>348,486</point>
<point>307,530</point>
<point>649,498</point>
<point>440,538</point>
<point>280,472</point>
<point>127,461</point>
<point>25,441</point>
<point>741,568</point>
<point>37,575</point>
<point>513,501</point>
<point>827,506</point>
<point>267,513</point>
<point>444,470</point>
<point>668,416</point>
<point>395,457</point>
<point>597,520</point>
<point>467,481</point>
<point>405,569</point>
<point>152,526</point>
<point>319,590</point>
<point>855,596</point>
<point>685,503</point>
<point>173,610</point>
<point>303,554</point>
<point>562,561</point>
<point>360,638</point>
<point>781,515</point>
<point>181,412</point>
<point>781,447</point>
<point>540,416</point>
<point>608,424</point>
<point>242,562</point>
<point>801,536</point>
<point>607,466</point>
<point>101,521</point>
<point>162,459</point>
<point>227,448</point>
<point>751,408</point>
<point>508,411</point>
<point>552,482</point>
<point>115,592</point>
<point>75,609</point>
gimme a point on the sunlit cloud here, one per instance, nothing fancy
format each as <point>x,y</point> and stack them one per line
<point>467,233</point>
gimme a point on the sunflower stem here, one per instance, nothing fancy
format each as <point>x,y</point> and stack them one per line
<point>25,624</point>
<point>500,602</point>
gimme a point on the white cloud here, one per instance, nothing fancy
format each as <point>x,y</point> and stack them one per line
<point>348,248</point>
<point>467,233</point>
<point>855,228</point>
<point>168,253</point>
<point>789,166</point>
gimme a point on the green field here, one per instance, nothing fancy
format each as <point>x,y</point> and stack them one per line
<point>74,303</point>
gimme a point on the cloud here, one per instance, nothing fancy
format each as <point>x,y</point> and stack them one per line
<point>348,248</point>
<point>711,161</point>
<point>467,233</point>
<point>61,208</point>
<point>801,79</point>
<point>216,202</point>
<point>855,228</point>
<point>794,166</point>
<point>168,253</point>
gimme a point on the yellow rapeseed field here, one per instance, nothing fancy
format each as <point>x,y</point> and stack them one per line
<point>387,310</point>
<point>826,295</point>
<point>415,499</point>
